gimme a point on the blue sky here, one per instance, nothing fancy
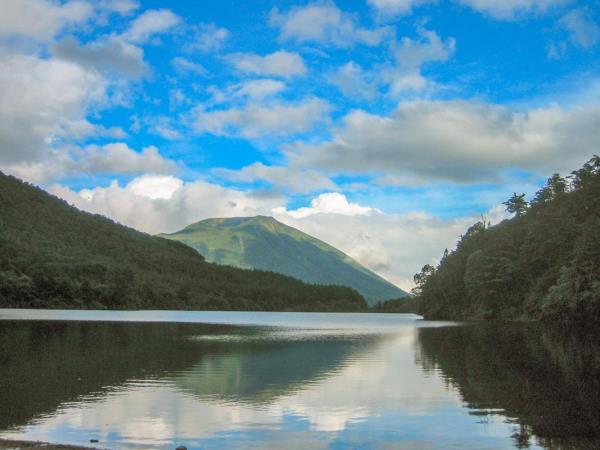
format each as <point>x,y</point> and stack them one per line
<point>410,115</point>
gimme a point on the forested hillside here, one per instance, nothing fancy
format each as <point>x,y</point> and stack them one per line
<point>55,256</point>
<point>543,263</point>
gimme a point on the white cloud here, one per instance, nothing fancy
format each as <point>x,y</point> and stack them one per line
<point>455,140</point>
<point>410,56</point>
<point>329,203</point>
<point>109,55</point>
<point>395,246</point>
<point>258,89</point>
<point>41,19</point>
<point>38,97</point>
<point>153,186</point>
<point>295,181</point>
<point>280,63</point>
<point>584,32</point>
<point>154,21</point>
<point>396,7</point>
<point>325,23</point>
<point>83,129</point>
<point>256,119</point>
<point>353,81</point>
<point>207,37</point>
<point>120,158</point>
<point>512,9</point>
<point>184,65</point>
<point>93,159</point>
<point>157,204</point>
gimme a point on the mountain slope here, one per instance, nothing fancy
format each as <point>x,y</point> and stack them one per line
<point>53,255</point>
<point>264,243</point>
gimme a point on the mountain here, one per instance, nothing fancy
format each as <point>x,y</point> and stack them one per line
<point>544,263</point>
<point>264,243</point>
<point>54,256</point>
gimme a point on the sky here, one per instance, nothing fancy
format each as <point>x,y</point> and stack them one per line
<point>384,127</point>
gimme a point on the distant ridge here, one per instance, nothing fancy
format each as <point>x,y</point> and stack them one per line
<point>262,242</point>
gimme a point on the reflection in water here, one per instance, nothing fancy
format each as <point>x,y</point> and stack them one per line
<point>154,385</point>
<point>547,381</point>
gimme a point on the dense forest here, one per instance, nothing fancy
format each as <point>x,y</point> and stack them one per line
<point>544,263</point>
<point>54,256</point>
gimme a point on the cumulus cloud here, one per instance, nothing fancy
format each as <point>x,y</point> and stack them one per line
<point>410,56</point>
<point>120,158</point>
<point>157,204</point>
<point>511,9</point>
<point>281,63</point>
<point>37,98</point>
<point>110,55</point>
<point>325,23</point>
<point>329,203</point>
<point>289,179</point>
<point>258,119</point>
<point>114,158</point>
<point>353,81</point>
<point>83,129</point>
<point>395,246</point>
<point>401,75</point>
<point>41,19</point>
<point>455,140</point>
<point>154,21</point>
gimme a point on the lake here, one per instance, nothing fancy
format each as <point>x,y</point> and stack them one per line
<point>159,379</point>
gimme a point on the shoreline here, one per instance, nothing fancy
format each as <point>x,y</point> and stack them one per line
<point>6,444</point>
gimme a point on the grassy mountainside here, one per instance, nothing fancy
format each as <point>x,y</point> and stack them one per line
<point>264,243</point>
<point>544,263</point>
<point>53,255</point>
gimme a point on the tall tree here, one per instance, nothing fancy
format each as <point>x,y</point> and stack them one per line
<point>516,204</point>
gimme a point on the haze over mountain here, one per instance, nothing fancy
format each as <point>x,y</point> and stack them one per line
<point>262,242</point>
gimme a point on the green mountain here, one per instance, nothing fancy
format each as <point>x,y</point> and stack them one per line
<point>544,263</point>
<point>264,243</point>
<point>54,256</point>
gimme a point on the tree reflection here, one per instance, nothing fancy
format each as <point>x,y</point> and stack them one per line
<point>546,381</point>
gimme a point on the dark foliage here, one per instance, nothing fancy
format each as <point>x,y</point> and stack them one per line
<point>55,256</point>
<point>542,264</point>
<point>398,305</point>
<point>546,379</point>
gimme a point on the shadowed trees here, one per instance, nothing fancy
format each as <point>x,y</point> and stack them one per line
<point>542,263</point>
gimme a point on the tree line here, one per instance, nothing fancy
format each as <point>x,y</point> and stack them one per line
<point>544,263</point>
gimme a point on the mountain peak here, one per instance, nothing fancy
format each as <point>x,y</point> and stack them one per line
<point>262,242</point>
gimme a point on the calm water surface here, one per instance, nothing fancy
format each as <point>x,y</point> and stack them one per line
<point>155,380</point>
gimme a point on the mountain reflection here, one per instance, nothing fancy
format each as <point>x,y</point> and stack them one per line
<point>546,381</point>
<point>46,364</point>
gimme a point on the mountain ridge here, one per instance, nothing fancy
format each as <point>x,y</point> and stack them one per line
<point>262,242</point>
